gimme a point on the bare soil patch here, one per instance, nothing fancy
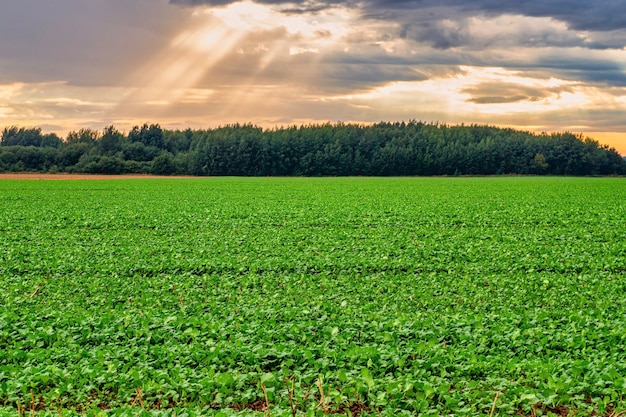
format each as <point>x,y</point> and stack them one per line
<point>45,176</point>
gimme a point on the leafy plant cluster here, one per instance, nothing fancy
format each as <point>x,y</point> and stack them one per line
<point>383,149</point>
<point>313,297</point>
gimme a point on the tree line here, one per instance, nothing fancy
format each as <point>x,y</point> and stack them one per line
<point>339,149</point>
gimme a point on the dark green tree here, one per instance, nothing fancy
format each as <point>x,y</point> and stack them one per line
<point>163,164</point>
<point>111,141</point>
<point>20,136</point>
<point>149,135</point>
<point>88,136</point>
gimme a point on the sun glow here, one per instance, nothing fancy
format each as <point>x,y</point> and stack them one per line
<point>186,71</point>
<point>615,140</point>
<point>478,90</point>
<point>176,72</point>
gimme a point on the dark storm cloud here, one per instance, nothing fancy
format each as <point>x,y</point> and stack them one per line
<point>573,66</point>
<point>289,7</point>
<point>579,15</point>
<point>354,77</point>
<point>298,7</point>
<point>501,92</point>
<point>468,33</point>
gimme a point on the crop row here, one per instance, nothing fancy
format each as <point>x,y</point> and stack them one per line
<point>313,296</point>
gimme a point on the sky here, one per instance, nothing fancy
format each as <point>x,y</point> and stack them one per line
<point>536,65</point>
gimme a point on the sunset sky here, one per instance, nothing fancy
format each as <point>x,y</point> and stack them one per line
<point>536,65</point>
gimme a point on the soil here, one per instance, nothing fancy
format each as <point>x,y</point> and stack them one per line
<point>45,176</point>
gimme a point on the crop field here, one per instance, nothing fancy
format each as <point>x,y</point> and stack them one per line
<point>313,297</point>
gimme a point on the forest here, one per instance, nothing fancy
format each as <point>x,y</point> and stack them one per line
<point>330,149</point>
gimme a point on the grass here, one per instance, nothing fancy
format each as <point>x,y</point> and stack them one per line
<point>292,296</point>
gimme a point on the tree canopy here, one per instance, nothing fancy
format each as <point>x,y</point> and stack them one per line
<point>382,149</point>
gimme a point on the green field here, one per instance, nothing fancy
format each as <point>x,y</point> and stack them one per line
<point>392,296</point>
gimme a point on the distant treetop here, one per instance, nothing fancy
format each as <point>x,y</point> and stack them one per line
<point>382,149</point>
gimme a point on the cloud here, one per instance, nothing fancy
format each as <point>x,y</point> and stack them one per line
<point>296,5</point>
<point>504,92</point>
<point>578,14</point>
<point>595,67</point>
<point>480,33</point>
<point>90,42</point>
<point>201,63</point>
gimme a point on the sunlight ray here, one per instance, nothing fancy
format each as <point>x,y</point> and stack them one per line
<point>215,34</point>
<point>189,58</point>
